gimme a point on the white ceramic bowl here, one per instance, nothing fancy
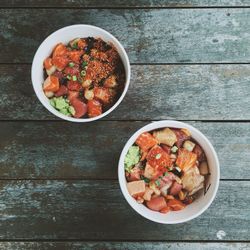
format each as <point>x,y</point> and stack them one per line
<point>200,204</point>
<point>65,35</point>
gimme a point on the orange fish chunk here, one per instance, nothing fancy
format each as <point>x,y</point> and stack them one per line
<point>146,141</point>
<point>185,159</point>
<point>51,84</point>
<point>158,158</point>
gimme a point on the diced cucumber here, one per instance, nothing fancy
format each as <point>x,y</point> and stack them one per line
<point>174,149</point>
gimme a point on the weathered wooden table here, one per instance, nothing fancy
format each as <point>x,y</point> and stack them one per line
<point>190,61</point>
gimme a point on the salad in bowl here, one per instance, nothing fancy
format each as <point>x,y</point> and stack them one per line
<point>80,73</point>
<point>169,169</point>
<point>83,78</point>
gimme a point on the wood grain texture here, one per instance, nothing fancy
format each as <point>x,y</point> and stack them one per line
<point>68,150</point>
<point>122,246</point>
<point>96,210</point>
<point>122,4</point>
<point>149,36</point>
<point>190,92</point>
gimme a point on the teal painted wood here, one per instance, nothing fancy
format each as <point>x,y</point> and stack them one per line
<point>198,92</point>
<point>122,246</point>
<point>123,4</point>
<point>68,150</point>
<point>149,36</point>
<point>190,92</point>
<point>96,210</point>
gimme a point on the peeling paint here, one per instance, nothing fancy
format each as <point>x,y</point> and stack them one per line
<point>220,234</point>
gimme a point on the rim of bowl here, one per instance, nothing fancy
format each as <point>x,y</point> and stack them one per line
<point>130,142</point>
<point>126,64</point>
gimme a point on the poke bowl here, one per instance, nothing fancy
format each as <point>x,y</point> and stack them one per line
<point>169,172</point>
<point>80,73</point>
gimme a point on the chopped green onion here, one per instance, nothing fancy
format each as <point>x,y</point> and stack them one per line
<point>84,64</point>
<point>75,45</point>
<point>69,77</point>
<point>74,78</point>
<point>71,64</point>
<point>83,73</point>
<point>158,156</point>
<point>174,149</point>
<point>157,183</point>
<point>170,168</point>
<point>165,174</point>
<point>145,179</point>
<point>79,79</point>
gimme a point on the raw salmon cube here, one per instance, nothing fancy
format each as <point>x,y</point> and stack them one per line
<point>94,108</point>
<point>51,84</point>
<point>185,159</point>
<point>158,158</point>
<point>102,94</point>
<point>59,50</point>
<point>157,203</point>
<point>146,141</point>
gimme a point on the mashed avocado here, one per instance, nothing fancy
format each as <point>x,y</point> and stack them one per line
<point>133,156</point>
<point>71,110</point>
<point>62,105</point>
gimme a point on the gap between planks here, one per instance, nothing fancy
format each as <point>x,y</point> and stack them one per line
<point>119,240</point>
<point>131,120</point>
<point>125,7</point>
<point>91,179</point>
<point>149,64</point>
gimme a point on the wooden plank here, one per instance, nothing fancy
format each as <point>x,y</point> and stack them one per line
<point>122,245</point>
<point>190,92</point>
<point>149,36</point>
<point>123,4</point>
<point>81,210</point>
<point>67,150</point>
